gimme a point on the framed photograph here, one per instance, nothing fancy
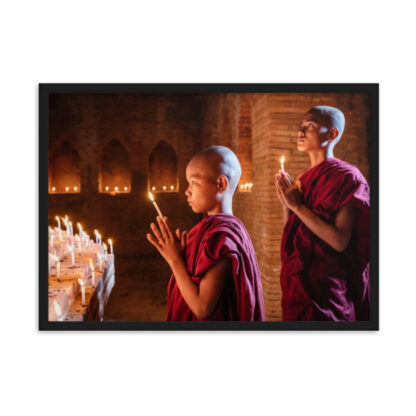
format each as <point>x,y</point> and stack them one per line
<point>208,206</point>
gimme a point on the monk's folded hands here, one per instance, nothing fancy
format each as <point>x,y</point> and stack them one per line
<point>166,242</point>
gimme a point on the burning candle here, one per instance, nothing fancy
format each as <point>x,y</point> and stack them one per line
<point>153,188</point>
<point>92,273</point>
<point>172,187</point>
<point>72,255</point>
<point>67,188</point>
<point>164,187</point>
<point>111,244</point>
<point>125,188</point>
<point>107,188</point>
<point>58,310</point>
<point>96,236</point>
<point>75,188</point>
<point>116,188</point>
<point>78,240</point>
<point>105,251</point>
<point>53,189</point>
<point>82,291</point>
<point>282,160</point>
<point>58,269</point>
<point>59,222</point>
<point>154,203</point>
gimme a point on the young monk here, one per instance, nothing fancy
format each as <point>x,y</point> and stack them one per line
<point>215,272</point>
<point>325,242</point>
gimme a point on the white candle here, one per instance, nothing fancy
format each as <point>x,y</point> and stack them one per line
<point>73,257</point>
<point>282,160</point>
<point>111,246</point>
<point>92,273</point>
<point>58,269</point>
<point>156,206</point>
<point>82,291</point>
<point>57,309</point>
<point>59,222</point>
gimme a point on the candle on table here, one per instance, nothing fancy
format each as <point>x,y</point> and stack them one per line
<point>59,222</point>
<point>82,291</point>
<point>57,309</point>
<point>155,204</point>
<point>111,245</point>
<point>72,255</point>
<point>92,273</point>
<point>282,167</point>
<point>58,269</point>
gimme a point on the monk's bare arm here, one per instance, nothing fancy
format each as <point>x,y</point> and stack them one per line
<point>338,235</point>
<point>204,298</point>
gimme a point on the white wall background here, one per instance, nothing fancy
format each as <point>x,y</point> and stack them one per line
<point>206,373</point>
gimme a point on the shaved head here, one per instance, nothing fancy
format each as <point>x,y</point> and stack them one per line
<point>222,161</point>
<point>331,117</point>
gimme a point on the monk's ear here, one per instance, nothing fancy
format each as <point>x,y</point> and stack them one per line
<point>333,134</point>
<point>222,184</point>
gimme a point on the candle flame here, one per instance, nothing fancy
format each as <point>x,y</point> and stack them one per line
<point>125,188</point>
<point>153,188</point>
<point>107,188</point>
<point>105,246</point>
<point>53,189</point>
<point>67,188</point>
<point>282,159</point>
<point>151,196</point>
<point>57,309</point>
<point>116,188</point>
<point>79,226</point>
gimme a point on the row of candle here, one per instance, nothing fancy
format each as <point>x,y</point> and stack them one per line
<point>164,187</point>
<point>67,188</point>
<point>246,187</point>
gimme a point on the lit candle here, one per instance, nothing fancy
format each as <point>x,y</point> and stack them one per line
<point>58,269</point>
<point>154,203</point>
<point>59,222</point>
<point>116,188</point>
<point>57,309</point>
<point>96,236</point>
<point>78,240</point>
<point>92,273</point>
<point>53,189</point>
<point>111,245</point>
<point>164,187</point>
<point>125,188</point>
<point>241,187</point>
<point>107,188</point>
<point>82,291</point>
<point>105,251</point>
<point>72,255</point>
<point>172,187</point>
<point>71,230</point>
<point>282,160</point>
<point>67,188</point>
<point>153,188</point>
<point>75,188</point>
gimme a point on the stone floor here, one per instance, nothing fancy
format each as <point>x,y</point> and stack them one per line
<point>139,293</point>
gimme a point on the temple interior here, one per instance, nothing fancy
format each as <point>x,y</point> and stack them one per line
<point>107,151</point>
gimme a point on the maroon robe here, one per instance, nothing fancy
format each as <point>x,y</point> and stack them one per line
<point>319,283</point>
<point>215,237</point>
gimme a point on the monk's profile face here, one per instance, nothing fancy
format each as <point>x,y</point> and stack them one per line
<point>312,133</point>
<point>202,185</point>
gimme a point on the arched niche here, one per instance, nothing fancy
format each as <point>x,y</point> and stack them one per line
<point>163,169</point>
<point>64,169</point>
<point>114,173</point>
<point>244,146</point>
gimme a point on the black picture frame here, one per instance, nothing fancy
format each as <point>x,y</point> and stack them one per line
<point>372,89</point>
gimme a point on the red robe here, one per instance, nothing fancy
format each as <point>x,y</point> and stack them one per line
<point>319,283</point>
<point>215,237</point>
